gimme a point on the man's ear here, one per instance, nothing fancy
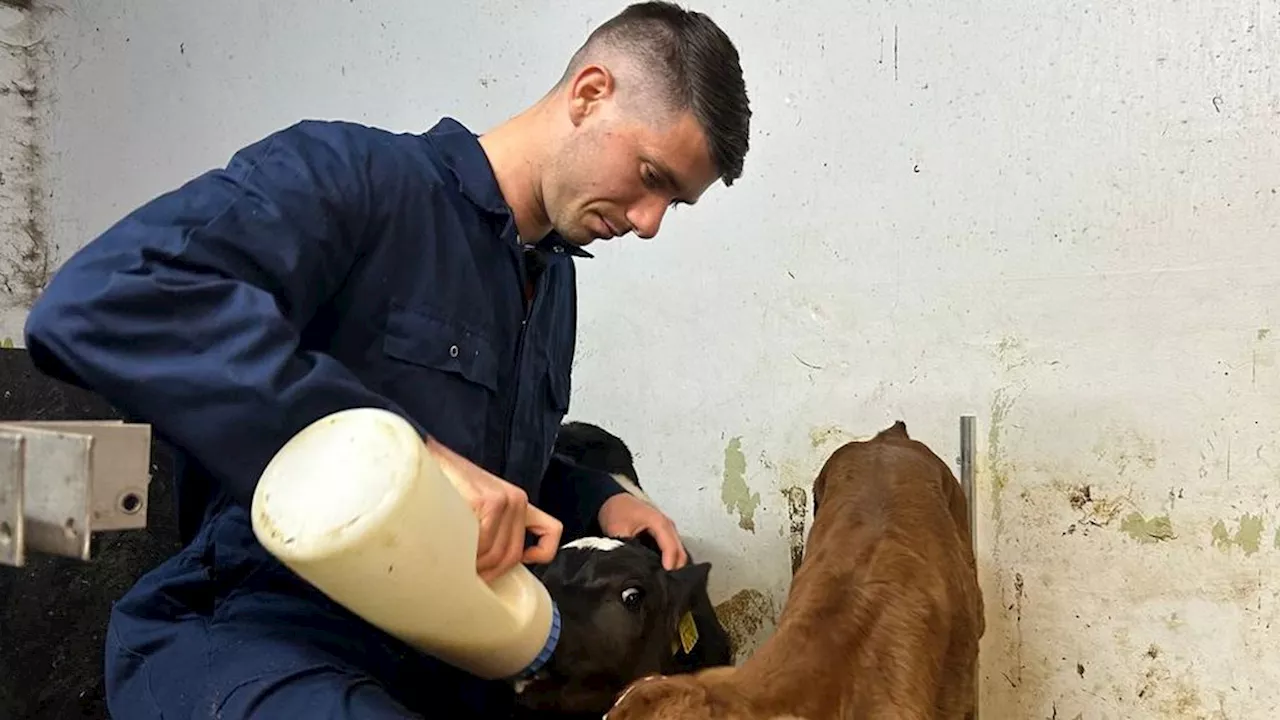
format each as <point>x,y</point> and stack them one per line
<point>589,87</point>
<point>686,583</point>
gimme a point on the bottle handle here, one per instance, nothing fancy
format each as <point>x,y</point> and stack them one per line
<point>507,579</point>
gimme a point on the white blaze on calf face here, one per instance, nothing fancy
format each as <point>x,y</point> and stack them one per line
<point>594,543</point>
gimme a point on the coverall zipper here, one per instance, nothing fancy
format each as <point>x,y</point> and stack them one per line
<point>530,308</point>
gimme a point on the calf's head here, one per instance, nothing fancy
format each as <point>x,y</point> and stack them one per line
<point>620,610</point>
<point>895,434</point>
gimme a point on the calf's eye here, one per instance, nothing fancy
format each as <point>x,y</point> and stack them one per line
<point>632,597</point>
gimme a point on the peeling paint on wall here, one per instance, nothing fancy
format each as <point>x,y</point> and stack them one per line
<point>1171,694</point>
<point>1248,535</point>
<point>1013,359</point>
<point>734,491</point>
<point>744,616</point>
<point>997,464</point>
<point>1094,511</point>
<point>1147,530</point>
<point>820,436</point>
<point>797,513</point>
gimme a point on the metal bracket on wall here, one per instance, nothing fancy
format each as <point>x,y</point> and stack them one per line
<point>62,481</point>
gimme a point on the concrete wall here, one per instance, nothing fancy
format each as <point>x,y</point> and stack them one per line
<point>26,255</point>
<point>1059,215</point>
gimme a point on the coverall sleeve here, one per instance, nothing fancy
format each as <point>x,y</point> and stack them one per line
<point>574,494</point>
<point>186,313</point>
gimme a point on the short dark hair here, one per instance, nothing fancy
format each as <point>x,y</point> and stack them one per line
<point>696,66</point>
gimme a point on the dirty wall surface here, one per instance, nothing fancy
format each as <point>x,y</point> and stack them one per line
<point>26,254</point>
<point>1060,216</point>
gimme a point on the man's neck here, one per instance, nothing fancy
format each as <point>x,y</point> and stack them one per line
<point>517,155</point>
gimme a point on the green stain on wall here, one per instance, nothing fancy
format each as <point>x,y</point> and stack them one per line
<point>7,343</point>
<point>997,465</point>
<point>734,491</point>
<point>1220,537</point>
<point>1146,530</point>
<point>1248,535</point>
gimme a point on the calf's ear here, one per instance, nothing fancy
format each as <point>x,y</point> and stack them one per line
<point>687,582</point>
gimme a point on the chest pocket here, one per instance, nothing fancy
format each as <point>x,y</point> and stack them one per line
<point>443,372</point>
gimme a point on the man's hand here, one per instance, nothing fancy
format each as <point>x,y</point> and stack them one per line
<point>504,513</point>
<point>625,515</point>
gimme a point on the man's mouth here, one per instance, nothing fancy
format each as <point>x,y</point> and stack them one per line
<point>610,230</point>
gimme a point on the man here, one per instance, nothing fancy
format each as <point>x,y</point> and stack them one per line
<point>331,265</point>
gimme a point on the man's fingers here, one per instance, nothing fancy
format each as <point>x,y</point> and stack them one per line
<point>514,522</point>
<point>673,554</point>
<point>497,561</point>
<point>548,530</point>
<point>484,541</point>
<point>493,544</point>
<point>503,513</point>
<point>670,556</point>
<point>682,558</point>
<point>624,515</point>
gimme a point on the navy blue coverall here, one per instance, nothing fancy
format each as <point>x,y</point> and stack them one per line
<point>328,266</point>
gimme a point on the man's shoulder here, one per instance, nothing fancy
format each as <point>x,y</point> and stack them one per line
<point>344,133</point>
<point>343,149</point>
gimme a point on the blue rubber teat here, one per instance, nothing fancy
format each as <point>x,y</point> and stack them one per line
<point>553,639</point>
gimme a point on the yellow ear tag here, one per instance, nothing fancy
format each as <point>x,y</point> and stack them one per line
<point>688,632</point>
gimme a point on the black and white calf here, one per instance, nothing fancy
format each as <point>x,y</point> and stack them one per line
<point>623,615</point>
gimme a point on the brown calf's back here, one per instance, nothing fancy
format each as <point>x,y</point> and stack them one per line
<point>884,615</point>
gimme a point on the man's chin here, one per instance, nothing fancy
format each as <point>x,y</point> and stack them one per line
<point>579,237</point>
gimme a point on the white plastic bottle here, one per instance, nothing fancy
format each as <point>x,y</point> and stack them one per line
<point>356,505</point>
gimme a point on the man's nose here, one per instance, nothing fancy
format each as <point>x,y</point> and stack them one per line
<point>646,216</point>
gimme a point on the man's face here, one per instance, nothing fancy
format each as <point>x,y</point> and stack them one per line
<point>617,174</point>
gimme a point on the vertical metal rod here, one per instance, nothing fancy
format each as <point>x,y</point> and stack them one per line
<point>968,457</point>
<point>968,452</point>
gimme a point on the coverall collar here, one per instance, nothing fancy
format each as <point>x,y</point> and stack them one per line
<point>465,158</point>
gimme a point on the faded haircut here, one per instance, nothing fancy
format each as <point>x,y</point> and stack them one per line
<point>690,64</point>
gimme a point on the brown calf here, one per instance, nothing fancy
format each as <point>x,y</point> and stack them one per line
<point>883,617</point>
